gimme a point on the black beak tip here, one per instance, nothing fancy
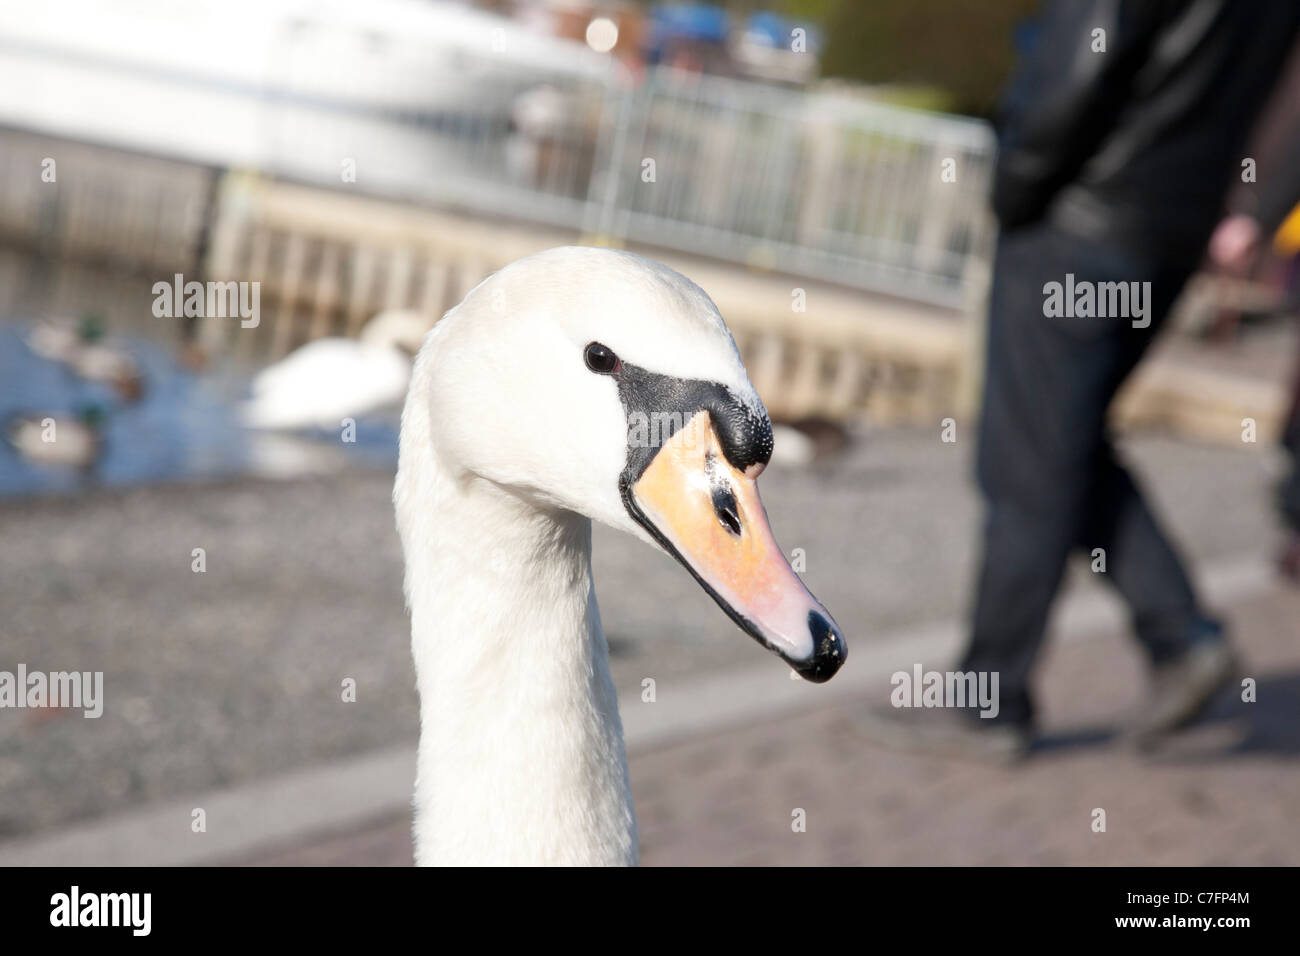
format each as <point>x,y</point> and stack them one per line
<point>829,650</point>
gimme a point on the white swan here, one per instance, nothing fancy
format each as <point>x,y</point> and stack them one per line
<point>329,379</point>
<point>550,397</point>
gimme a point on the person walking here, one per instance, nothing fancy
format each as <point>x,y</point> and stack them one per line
<point>1122,132</point>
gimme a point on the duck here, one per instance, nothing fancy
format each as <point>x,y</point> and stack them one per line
<point>58,439</point>
<point>84,352</point>
<point>577,384</point>
<point>805,441</point>
<point>332,378</point>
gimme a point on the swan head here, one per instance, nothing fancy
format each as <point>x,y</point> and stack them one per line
<point>602,383</point>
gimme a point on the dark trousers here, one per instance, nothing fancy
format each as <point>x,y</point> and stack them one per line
<point>1288,491</point>
<point>1047,468</point>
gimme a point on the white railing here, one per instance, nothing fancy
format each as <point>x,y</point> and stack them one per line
<point>819,185</point>
<point>812,184</point>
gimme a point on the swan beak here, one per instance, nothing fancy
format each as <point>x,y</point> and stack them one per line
<point>708,515</point>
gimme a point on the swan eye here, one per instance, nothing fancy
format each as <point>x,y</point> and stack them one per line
<point>601,359</point>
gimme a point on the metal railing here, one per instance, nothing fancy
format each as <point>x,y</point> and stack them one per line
<point>816,184</point>
<point>849,191</point>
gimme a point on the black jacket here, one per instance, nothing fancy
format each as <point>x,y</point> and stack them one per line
<point>1280,193</point>
<point>1137,145</point>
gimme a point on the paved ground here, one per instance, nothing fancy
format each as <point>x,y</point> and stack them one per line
<point>1227,795</point>
<point>1223,793</point>
<point>219,678</point>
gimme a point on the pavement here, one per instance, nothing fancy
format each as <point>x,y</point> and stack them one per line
<point>1221,793</point>
<point>1224,794</point>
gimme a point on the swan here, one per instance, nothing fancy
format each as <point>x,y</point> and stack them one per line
<point>329,379</point>
<point>576,384</point>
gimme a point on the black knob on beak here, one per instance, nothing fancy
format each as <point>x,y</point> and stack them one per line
<point>829,650</point>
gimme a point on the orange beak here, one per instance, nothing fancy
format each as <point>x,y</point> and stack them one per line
<point>708,515</point>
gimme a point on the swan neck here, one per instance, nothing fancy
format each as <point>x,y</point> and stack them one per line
<point>521,755</point>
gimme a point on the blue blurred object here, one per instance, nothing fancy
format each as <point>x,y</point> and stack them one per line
<point>1026,34</point>
<point>686,23</point>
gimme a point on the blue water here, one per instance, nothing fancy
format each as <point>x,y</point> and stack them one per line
<point>184,427</point>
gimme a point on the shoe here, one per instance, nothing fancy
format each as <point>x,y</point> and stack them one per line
<point>1182,689</point>
<point>945,732</point>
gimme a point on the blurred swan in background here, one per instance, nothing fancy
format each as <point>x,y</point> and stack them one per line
<point>329,379</point>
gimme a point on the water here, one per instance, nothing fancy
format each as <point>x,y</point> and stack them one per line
<point>184,427</point>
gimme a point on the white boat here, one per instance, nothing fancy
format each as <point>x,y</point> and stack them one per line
<point>292,88</point>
